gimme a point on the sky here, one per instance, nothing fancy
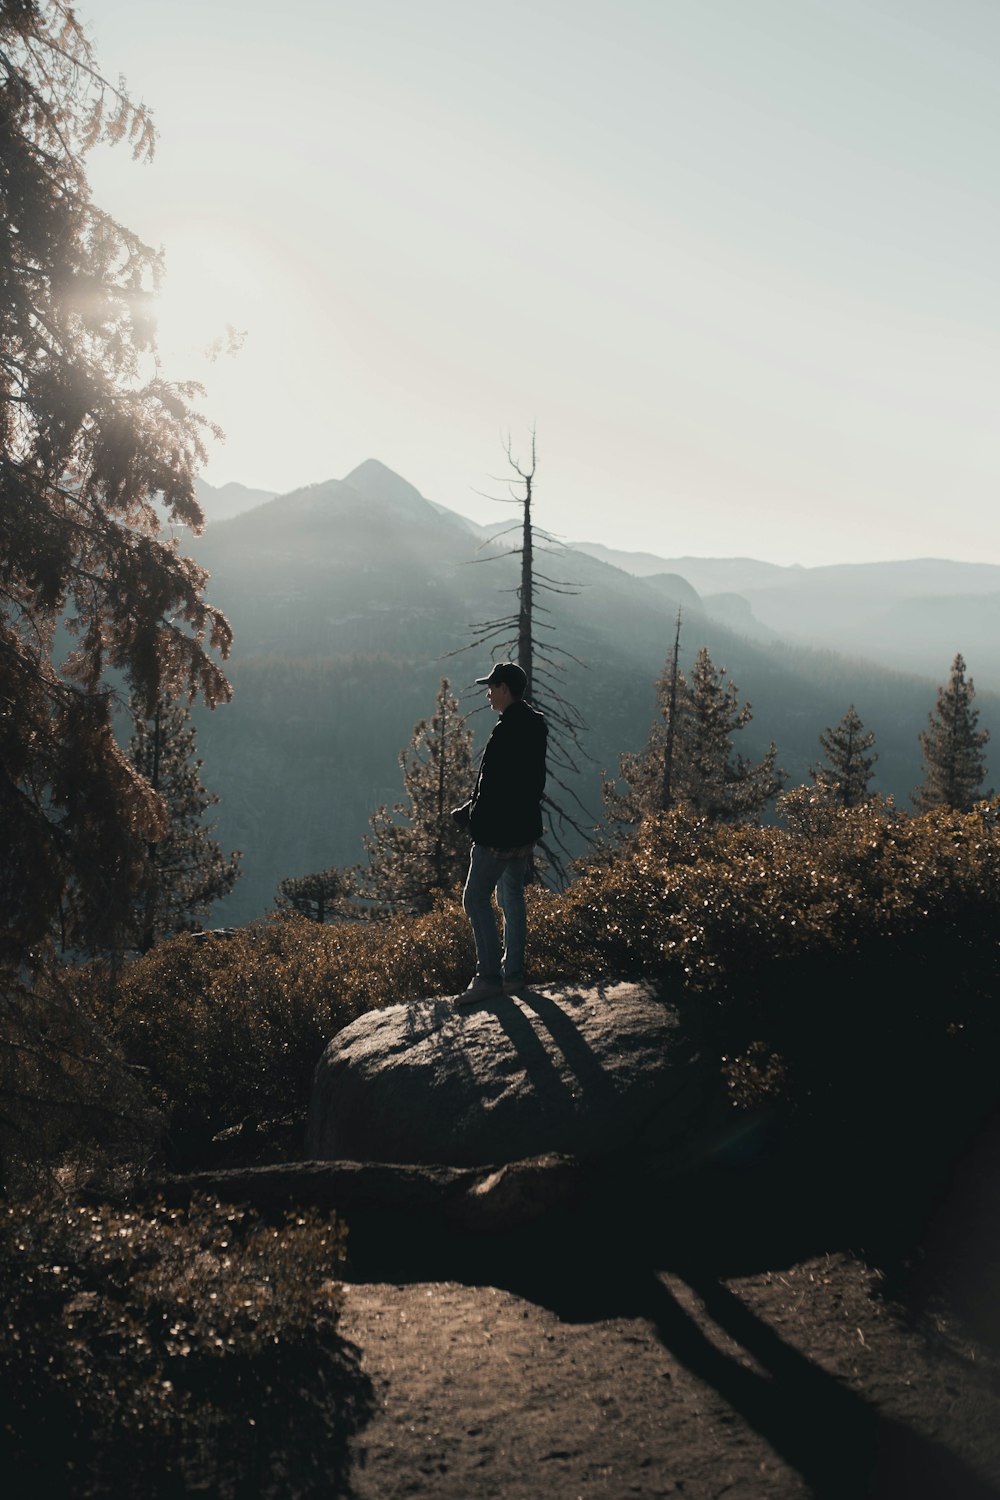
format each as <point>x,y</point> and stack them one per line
<point>735,260</point>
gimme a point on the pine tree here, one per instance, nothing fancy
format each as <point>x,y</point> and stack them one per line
<point>716,784</point>
<point>90,435</point>
<point>688,758</point>
<point>953,747</point>
<point>322,897</point>
<point>417,850</point>
<point>844,779</point>
<point>184,871</point>
<point>648,777</point>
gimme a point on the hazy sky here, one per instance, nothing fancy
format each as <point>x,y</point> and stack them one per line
<point>737,259</point>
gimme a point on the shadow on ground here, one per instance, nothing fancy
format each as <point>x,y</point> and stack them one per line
<point>772,1206</point>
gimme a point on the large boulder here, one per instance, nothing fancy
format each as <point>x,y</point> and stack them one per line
<point>584,1072</point>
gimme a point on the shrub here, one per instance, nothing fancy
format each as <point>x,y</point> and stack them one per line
<point>850,968</point>
<point>65,1091</point>
<point>230,1028</point>
<point>709,903</point>
<point>849,947</point>
<point>155,1352</point>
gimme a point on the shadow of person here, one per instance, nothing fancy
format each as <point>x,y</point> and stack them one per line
<point>540,1067</point>
<point>567,1070</point>
<point>840,1444</point>
<point>580,1057</point>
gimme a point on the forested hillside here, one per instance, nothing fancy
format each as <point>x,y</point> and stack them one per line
<point>346,599</point>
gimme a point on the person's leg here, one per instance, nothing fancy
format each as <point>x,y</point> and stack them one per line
<point>510,894</point>
<point>477,899</point>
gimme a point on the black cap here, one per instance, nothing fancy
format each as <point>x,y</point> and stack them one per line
<point>508,672</point>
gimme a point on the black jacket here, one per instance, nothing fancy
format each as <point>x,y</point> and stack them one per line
<point>505,807</point>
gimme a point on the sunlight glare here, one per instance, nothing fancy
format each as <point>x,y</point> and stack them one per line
<point>208,293</point>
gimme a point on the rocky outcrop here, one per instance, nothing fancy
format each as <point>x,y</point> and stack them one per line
<point>482,1200</point>
<point>588,1073</point>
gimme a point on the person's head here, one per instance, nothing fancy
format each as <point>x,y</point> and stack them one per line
<point>504,685</point>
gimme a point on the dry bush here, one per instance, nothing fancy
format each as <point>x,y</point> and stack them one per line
<point>850,968</point>
<point>229,1029</point>
<point>67,1097</point>
<point>853,947</point>
<point>709,903</point>
<point>155,1352</point>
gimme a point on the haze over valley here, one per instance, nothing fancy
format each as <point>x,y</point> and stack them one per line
<point>347,597</point>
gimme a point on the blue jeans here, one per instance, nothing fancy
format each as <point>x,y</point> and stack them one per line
<point>505,876</point>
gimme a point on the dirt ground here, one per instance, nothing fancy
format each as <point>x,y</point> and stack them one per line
<point>783,1384</point>
<point>595,1367</point>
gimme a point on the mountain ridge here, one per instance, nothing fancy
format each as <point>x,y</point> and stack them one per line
<point>349,603</point>
<point>869,609</point>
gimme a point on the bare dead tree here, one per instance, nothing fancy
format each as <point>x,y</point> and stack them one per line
<point>527,634</point>
<point>667,796</point>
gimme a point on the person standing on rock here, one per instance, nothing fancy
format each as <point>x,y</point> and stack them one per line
<point>504,817</point>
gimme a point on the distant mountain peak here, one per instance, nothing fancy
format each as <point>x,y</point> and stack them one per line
<point>378,482</point>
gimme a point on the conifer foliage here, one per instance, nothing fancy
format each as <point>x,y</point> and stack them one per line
<point>649,784</point>
<point>185,870</point>
<point>417,850</point>
<point>325,896</point>
<point>953,747</point>
<point>843,779</point>
<point>90,433</point>
<point>688,759</point>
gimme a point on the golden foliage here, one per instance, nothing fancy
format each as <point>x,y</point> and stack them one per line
<point>862,922</point>
<point>140,1350</point>
<point>708,902</point>
<point>230,1028</point>
<point>90,435</point>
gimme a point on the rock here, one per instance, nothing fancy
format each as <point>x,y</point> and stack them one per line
<point>476,1200</point>
<point>518,1193</point>
<point>583,1072</point>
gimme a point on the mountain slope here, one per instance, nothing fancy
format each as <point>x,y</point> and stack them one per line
<point>231,500</point>
<point>348,599</point>
<point>911,615</point>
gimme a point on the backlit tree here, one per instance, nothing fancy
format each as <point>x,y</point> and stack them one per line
<point>648,780</point>
<point>955,766</point>
<point>184,871</point>
<point>90,434</point>
<point>416,849</point>
<point>326,896</point>
<point>689,759</point>
<point>844,777</point>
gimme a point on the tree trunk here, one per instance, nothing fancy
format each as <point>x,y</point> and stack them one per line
<point>525,641</point>
<point>152,893</point>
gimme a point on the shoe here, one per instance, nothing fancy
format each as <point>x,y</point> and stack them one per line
<point>514,983</point>
<point>480,989</point>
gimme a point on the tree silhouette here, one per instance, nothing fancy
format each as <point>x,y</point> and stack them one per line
<point>648,777</point>
<point>688,758</point>
<point>955,766</point>
<point>90,435</point>
<point>530,640</point>
<point>184,871</point>
<point>416,850</point>
<point>717,783</point>
<point>845,776</point>
<point>325,896</point>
